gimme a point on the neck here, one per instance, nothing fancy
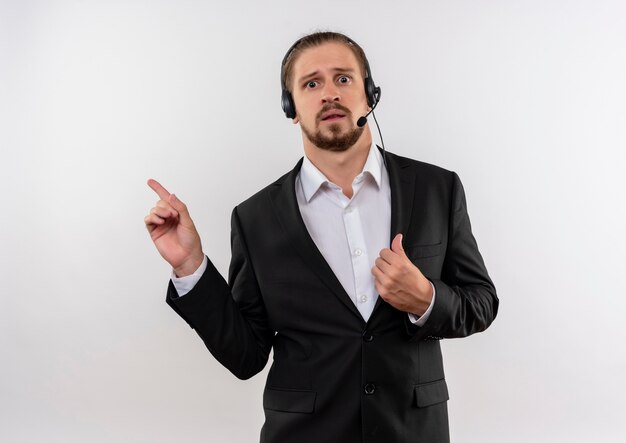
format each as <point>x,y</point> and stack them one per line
<point>341,167</point>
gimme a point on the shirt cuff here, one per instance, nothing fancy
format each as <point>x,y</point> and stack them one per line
<point>416,319</point>
<point>185,284</point>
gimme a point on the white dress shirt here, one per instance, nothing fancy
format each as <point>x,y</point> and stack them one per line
<point>349,232</point>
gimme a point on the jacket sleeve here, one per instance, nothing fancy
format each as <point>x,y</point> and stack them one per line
<point>230,318</point>
<point>466,300</point>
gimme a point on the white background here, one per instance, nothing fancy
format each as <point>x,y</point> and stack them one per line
<point>526,100</point>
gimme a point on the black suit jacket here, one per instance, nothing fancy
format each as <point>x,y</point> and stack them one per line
<point>335,377</point>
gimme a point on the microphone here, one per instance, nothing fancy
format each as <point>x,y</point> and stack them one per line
<point>362,120</point>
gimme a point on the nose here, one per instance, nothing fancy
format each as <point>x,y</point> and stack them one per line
<point>330,93</point>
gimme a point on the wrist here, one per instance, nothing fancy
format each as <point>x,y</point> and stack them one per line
<point>424,296</point>
<point>189,266</point>
<point>426,289</point>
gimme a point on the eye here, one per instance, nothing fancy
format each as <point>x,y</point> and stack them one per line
<point>344,79</point>
<point>312,84</point>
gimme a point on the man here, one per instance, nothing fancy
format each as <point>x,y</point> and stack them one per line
<point>351,267</point>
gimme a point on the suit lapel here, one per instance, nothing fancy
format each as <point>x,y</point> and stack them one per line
<point>402,184</point>
<point>285,205</point>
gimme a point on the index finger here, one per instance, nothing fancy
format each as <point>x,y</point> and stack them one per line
<point>388,255</point>
<point>160,190</point>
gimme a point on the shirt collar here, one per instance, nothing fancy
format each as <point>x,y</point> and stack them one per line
<point>312,178</point>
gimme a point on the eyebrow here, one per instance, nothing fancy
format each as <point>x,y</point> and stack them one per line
<point>315,73</point>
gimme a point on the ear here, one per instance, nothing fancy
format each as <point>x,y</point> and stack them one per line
<point>295,120</point>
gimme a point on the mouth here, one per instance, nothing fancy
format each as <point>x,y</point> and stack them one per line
<point>332,116</point>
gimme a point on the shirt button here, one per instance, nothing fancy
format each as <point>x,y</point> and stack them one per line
<point>363,298</point>
<point>369,389</point>
<point>358,252</point>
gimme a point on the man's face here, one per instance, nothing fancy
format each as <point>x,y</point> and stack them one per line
<point>328,91</point>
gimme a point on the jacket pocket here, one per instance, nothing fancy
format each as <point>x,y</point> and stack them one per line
<point>431,393</point>
<point>287,400</point>
<point>423,251</point>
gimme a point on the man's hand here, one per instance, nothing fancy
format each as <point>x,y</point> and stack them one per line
<point>399,282</point>
<point>173,232</point>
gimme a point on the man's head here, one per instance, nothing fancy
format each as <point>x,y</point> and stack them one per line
<point>327,86</point>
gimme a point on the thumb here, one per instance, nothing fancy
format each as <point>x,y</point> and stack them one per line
<point>179,206</point>
<point>396,245</point>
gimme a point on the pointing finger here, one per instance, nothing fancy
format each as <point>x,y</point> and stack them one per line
<point>160,190</point>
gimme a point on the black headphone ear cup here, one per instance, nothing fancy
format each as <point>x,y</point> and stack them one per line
<point>286,101</point>
<point>370,91</point>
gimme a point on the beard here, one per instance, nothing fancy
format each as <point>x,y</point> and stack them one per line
<point>336,141</point>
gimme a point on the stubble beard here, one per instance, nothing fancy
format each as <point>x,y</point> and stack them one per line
<point>336,141</point>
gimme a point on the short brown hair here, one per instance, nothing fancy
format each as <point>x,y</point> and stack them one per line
<point>317,39</point>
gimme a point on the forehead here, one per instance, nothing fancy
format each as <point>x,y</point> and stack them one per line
<point>327,56</point>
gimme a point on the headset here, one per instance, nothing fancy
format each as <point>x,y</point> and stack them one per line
<point>372,92</point>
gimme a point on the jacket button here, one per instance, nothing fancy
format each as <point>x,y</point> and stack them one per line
<point>369,389</point>
<point>367,336</point>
